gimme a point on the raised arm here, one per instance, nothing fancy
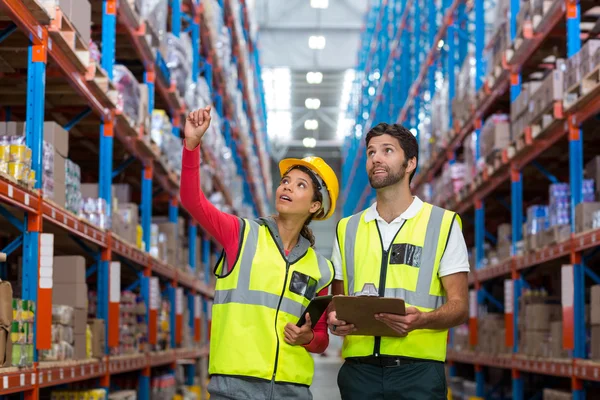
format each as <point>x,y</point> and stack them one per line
<point>225,228</point>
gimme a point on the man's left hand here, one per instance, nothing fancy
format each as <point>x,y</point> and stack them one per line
<point>403,324</point>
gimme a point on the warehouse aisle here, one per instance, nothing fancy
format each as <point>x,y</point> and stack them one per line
<point>324,385</point>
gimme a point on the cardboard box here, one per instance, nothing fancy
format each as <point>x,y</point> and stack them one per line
<point>80,321</point>
<point>98,337</point>
<point>6,297</point>
<point>592,170</point>
<point>573,73</point>
<point>81,17</point>
<point>59,170</point>
<point>556,345</point>
<point>79,347</point>
<point>588,50</point>
<point>60,193</point>
<point>538,317</point>
<point>595,342</point>
<point>504,233</point>
<point>70,294</point>
<point>595,305</point>
<point>122,191</point>
<point>551,394</point>
<point>584,216</point>
<point>69,269</point>
<point>58,137</point>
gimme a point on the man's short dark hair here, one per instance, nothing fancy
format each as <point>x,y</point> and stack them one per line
<point>407,140</point>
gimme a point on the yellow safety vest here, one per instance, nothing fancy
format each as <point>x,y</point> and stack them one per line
<point>407,270</point>
<point>254,302</point>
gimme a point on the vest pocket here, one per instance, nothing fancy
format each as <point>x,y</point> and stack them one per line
<point>406,254</point>
<point>303,285</point>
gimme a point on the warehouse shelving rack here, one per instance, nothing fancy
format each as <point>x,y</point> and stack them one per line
<point>43,40</point>
<point>453,23</point>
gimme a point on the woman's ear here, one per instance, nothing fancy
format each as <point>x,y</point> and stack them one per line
<point>314,207</point>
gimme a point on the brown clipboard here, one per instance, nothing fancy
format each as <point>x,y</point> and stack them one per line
<point>361,310</point>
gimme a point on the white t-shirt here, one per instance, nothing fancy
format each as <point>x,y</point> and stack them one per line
<point>454,260</point>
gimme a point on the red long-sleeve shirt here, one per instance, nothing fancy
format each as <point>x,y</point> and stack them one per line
<point>225,228</point>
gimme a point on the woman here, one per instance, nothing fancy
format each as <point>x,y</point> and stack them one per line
<point>266,277</point>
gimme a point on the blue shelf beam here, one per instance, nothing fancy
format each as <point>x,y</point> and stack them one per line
<point>146,206</point>
<point>123,166</point>
<point>14,221</point>
<point>6,32</point>
<point>77,119</point>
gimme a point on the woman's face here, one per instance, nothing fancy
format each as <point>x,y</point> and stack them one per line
<point>295,194</point>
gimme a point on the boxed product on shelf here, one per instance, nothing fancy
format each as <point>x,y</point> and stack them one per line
<point>584,216</point>
<point>551,394</point>
<point>126,222</point>
<point>15,160</point>
<point>129,92</point>
<point>69,282</point>
<point>559,207</point>
<point>96,211</point>
<point>587,60</point>
<point>504,241</point>
<point>78,12</point>
<point>123,395</point>
<point>550,91</point>
<point>495,135</point>
<point>592,171</point>
<point>491,334</point>
<point>62,347</point>
<point>164,326</point>
<point>98,337</point>
<point>90,394</point>
<point>133,328</point>
<point>595,305</point>
<point>537,312</point>
<point>73,200</point>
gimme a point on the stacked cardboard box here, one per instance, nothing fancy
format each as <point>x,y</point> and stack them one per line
<point>584,216</point>
<point>78,12</point>
<point>595,323</point>
<point>491,334</point>
<point>550,91</point>
<point>133,328</point>
<point>520,114</point>
<point>126,222</point>
<point>551,394</point>
<point>537,312</point>
<point>592,171</point>
<point>98,333</point>
<point>504,241</point>
<point>70,289</point>
<point>495,134</point>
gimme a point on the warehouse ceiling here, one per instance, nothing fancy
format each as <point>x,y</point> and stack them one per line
<point>289,63</point>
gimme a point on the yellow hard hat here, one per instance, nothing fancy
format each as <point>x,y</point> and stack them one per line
<point>328,181</point>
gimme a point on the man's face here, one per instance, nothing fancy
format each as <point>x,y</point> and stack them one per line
<point>386,162</point>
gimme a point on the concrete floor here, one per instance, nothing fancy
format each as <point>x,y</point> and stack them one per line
<point>324,385</point>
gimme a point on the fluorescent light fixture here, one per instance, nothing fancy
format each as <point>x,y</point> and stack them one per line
<point>312,104</point>
<point>371,91</point>
<point>319,3</point>
<point>344,123</point>
<point>311,124</point>
<point>314,78</point>
<point>277,83</point>
<point>376,75</point>
<point>316,42</point>
<point>309,142</point>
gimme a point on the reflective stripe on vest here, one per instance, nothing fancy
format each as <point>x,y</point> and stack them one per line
<point>244,295</point>
<point>421,296</point>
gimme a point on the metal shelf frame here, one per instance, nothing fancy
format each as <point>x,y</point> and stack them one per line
<point>406,105</point>
<point>37,210</point>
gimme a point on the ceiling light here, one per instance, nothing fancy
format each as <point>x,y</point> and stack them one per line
<point>371,91</point>
<point>376,75</point>
<point>319,3</point>
<point>309,142</point>
<point>312,104</point>
<point>314,78</point>
<point>316,42</point>
<point>311,124</point>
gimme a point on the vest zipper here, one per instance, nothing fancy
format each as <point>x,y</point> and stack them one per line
<point>382,278</point>
<point>287,270</point>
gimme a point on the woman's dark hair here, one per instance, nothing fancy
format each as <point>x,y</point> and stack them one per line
<point>317,196</point>
<point>408,141</point>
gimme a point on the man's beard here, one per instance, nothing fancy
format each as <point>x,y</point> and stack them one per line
<point>378,182</point>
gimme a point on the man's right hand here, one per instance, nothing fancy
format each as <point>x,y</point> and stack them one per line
<point>337,327</point>
<point>196,125</point>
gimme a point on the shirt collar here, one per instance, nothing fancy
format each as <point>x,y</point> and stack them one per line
<point>412,210</point>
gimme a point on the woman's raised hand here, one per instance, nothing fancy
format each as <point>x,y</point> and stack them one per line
<point>196,125</point>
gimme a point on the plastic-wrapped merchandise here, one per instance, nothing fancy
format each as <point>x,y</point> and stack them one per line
<point>95,54</point>
<point>495,134</point>
<point>58,352</point>
<point>537,219</point>
<point>160,126</point>
<point>129,91</point>
<point>155,12</point>
<point>96,211</point>
<point>15,159</point>
<point>62,333</point>
<point>74,199</point>
<point>179,60</point>
<point>559,208</point>
<point>62,315</point>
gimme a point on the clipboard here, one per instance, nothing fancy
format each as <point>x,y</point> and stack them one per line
<point>315,309</point>
<point>361,310</point>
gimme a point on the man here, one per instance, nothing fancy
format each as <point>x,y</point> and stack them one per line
<point>408,249</point>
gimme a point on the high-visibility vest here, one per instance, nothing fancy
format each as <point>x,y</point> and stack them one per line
<point>407,270</point>
<point>253,303</point>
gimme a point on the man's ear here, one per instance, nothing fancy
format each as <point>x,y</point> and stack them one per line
<point>412,165</point>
